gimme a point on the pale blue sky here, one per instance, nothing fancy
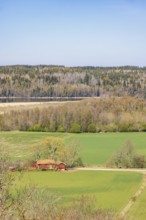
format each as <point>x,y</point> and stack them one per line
<point>73,32</point>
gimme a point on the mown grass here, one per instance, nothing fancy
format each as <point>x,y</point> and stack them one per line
<point>95,149</point>
<point>112,190</point>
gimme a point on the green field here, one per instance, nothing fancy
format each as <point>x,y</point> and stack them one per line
<point>95,149</point>
<point>138,210</point>
<point>111,189</point>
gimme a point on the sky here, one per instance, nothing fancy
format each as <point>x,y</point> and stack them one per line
<point>73,32</point>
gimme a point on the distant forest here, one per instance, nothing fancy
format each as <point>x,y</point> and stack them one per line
<point>61,81</point>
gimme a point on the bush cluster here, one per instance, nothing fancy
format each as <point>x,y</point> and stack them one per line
<point>126,157</point>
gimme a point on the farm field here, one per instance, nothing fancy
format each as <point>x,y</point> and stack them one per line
<point>8,106</point>
<point>95,149</point>
<point>112,190</point>
<point>138,210</point>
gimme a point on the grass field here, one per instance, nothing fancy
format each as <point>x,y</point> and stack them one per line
<point>138,210</point>
<point>111,189</point>
<point>95,149</point>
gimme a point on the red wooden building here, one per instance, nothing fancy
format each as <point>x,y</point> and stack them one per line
<point>45,164</point>
<point>50,165</point>
<point>61,166</point>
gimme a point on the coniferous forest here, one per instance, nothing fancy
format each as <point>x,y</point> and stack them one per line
<point>61,81</point>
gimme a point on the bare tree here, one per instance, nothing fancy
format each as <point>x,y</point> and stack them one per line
<point>7,180</point>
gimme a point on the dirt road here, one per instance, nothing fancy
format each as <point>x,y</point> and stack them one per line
<point>113,169</point>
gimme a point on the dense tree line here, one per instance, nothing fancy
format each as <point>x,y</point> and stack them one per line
<point>89,115</point>
<point>60,81</point>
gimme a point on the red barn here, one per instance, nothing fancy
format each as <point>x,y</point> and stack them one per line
<point>61,166</point>
<point>45,164</point>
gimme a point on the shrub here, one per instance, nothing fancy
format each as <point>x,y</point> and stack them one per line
<point>92,128</point>
<point>112,127</point>
<point>36,127</point>
<point>75,128</point>
<point>78,162</point>
<point>127,158</point>
<point>61,128</point>
<point>144,127</point>
<point>139,161</point>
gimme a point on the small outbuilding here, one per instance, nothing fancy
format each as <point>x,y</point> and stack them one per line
<point>61,166</point>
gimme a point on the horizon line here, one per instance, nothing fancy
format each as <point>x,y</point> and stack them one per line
<point>74,66</point>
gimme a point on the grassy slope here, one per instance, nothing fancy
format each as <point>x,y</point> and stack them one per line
<point>96,149</point>
<point>112,189</point>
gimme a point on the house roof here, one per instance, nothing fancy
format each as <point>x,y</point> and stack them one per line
<point>46,161</point>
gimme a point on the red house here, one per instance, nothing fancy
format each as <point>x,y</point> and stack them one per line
<point>50,165</point>
<point>61,166</point>
<point>45,164</point>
